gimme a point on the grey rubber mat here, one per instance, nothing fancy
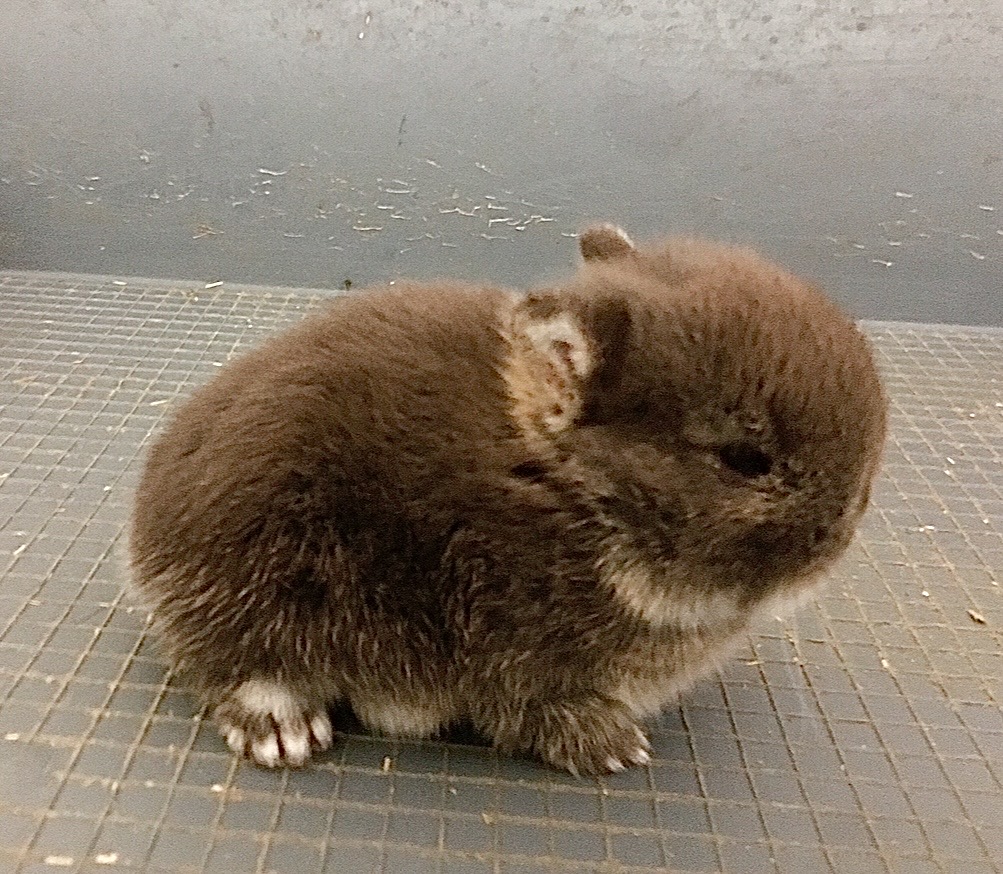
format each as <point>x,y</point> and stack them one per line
<point>866,735</point>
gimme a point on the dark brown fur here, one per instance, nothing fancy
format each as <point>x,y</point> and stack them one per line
<point>544,514</point>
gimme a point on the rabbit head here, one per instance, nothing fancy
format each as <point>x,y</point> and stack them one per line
<point>725,417</point>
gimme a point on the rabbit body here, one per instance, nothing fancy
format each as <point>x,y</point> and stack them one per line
<point>544,513</point>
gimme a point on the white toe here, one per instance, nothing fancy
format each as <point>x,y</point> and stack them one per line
<point>235,739</point>
<point>323,733</point>
<point>296,748</point>
<point>641,757</point>
<point>614,765</point>
<point>266,752</point>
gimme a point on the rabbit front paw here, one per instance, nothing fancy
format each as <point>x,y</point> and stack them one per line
<point>268,722</point>
<point>594,737</point>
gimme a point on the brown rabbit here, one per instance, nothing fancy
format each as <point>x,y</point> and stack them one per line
<point>545,514</point>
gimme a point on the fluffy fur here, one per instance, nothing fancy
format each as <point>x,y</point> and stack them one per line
<point>543,513</point>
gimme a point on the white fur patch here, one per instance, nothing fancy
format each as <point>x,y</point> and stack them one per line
<point>400,720</point>
<point>264,698</point>
<point>637,587</point>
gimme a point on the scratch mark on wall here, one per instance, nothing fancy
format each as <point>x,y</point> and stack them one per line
<point>205,107</point>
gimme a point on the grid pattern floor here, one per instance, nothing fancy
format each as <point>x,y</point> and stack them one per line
<point>865,735</point>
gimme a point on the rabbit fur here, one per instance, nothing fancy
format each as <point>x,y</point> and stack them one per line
<point>545,513</point>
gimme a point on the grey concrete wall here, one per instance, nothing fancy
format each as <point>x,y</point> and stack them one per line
<point>309,143</point>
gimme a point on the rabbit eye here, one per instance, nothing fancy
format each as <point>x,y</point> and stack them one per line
<point>641,409</point>
<point>533,471</point>
<point>746,460</point>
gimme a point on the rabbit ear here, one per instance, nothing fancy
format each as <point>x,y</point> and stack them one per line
<point>602,242</point>
<point>566,354</point>
<point>562,342</point>
<point>552,358</point>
